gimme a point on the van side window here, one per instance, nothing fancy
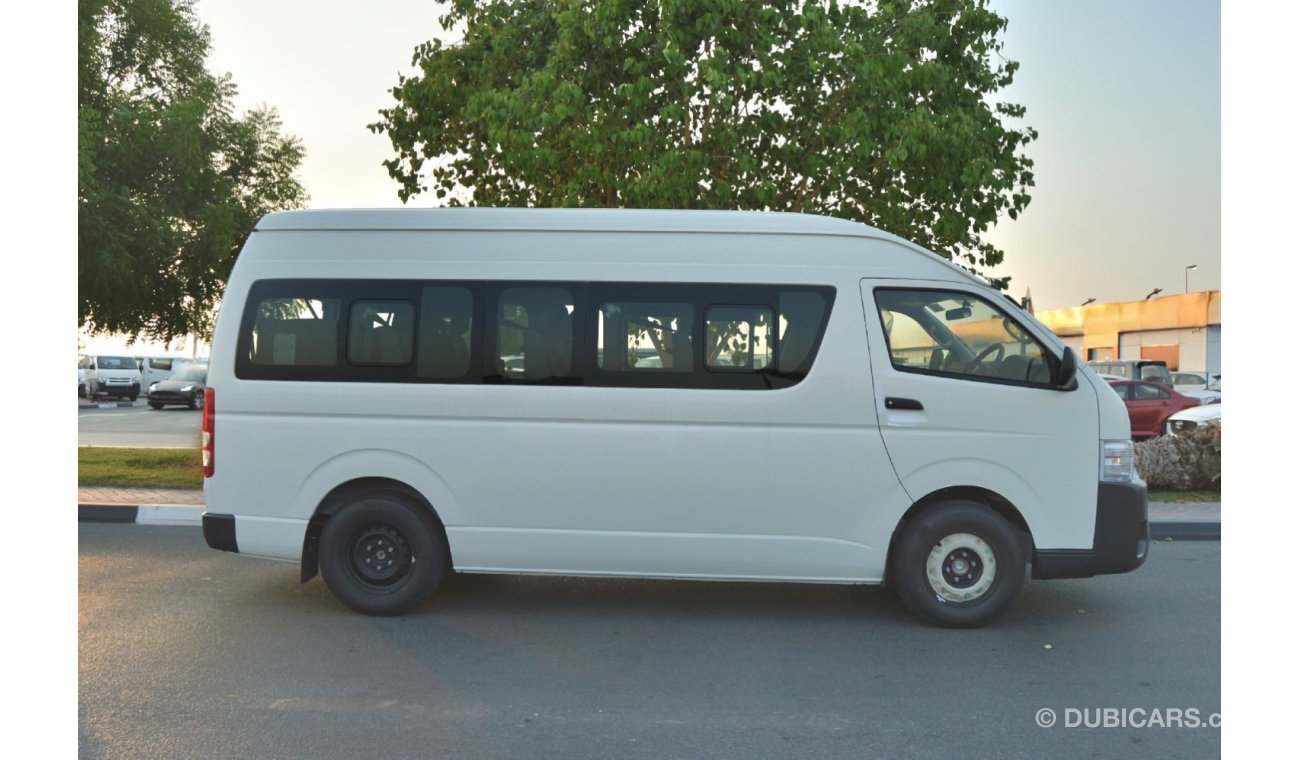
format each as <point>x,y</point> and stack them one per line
<point>296,332</point>
<point>162,364</point>
<point>645,337</point>
<point>381,333</point>
<point>799,329</point>
<point>738,337</point>
<point>966,337</point>
<point>446,326</point>
<point>721,336</point>
<point>535,334</point>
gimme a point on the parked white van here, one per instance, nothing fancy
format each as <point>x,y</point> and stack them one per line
<point>655,394</point>
<point>110,376</point>
<point>155,369</point>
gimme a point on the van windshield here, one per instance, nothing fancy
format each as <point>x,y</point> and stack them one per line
<point>196,372</point>
<point>116,362</point>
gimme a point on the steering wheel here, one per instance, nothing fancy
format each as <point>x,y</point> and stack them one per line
<point>973,363</point>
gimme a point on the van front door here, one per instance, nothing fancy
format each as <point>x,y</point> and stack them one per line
<point>964,394</point>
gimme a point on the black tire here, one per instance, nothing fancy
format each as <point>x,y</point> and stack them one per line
<point>941,569</point>
<point>135,396</point>
<point>155,405</point>
<point>382,554</point>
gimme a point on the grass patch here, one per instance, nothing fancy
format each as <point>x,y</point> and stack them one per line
<point>1201,495</point>
<point>139,468</point>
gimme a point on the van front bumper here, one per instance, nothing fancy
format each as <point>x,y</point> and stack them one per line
<point>1120,539</point>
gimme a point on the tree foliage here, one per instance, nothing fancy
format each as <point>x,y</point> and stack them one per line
<point>880,113</point>
<point>170,179</point>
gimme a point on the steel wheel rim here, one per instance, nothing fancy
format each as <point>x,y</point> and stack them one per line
<point>378,556</point>
<point>961,568</point>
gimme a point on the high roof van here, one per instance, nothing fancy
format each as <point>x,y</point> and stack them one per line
<point>393,394</point>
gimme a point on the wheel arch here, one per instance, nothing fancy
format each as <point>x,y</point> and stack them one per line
<point>339,496</point>
<point>991,499</point>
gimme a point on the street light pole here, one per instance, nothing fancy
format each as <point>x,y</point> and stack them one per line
<point>1186,271</point>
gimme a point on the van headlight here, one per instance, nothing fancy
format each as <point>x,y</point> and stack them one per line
<point>1117,462</point>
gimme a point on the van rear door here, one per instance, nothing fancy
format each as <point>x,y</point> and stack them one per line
<point>963,391</point>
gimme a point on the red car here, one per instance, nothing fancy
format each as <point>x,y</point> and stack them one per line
<point>1150,404</point>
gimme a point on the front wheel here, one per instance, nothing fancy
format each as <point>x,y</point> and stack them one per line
<point>958,564</point>
<point>155,405</point>
<point>197,401</point>
<point>382,554</point>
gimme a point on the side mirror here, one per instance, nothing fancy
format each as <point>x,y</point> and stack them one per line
<point>1066,370</point>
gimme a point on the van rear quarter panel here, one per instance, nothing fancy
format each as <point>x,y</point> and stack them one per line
<point>790,483</point>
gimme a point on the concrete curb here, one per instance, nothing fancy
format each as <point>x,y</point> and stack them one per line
<point>1186,530</point>
<point>142,514</point>
<point>183,514</point>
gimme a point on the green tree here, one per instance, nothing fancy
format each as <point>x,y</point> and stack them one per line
<point>170,179</point>
<point>880,113</point>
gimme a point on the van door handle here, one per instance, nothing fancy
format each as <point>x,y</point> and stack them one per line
<point>902,403</point>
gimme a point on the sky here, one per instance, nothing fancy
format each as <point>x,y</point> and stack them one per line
<point>1124,95</point>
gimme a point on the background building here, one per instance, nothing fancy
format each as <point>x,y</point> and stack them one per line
<point>1183,330</point>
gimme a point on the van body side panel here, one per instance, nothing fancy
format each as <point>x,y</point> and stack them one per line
<point>792,483</point>
<point>270,537</point>
<point>1037,447</point>
<point>692,555</point>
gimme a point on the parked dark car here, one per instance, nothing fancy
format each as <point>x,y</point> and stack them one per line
<point>185,388</point>
<point>1150,404</point>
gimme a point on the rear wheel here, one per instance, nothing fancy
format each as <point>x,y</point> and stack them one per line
<point>382,554</point>
<point>958,564</point>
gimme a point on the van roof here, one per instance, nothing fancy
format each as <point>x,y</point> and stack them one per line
<point>588,220</point>
<point>565,219</point>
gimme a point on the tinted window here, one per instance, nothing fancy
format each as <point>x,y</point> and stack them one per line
<point>381,332</point>
<point>668,335</point>
<point>446,330</point>
<point>116,362</point>
<point>965,336</point>
<point>800,328</point>
<point>738,337</point>
<point>1142,391</point>
<point>295,332</point>
<point>535,334</point>
<point>645,337</point>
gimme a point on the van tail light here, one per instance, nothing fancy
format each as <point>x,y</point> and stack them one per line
<point>209,423</point>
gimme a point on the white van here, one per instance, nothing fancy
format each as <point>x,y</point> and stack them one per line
<point>655,394</point>
<point>115,375</point>
<point>1152,370</point>
<point>155,369</point>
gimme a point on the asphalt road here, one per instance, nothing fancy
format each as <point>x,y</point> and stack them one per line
<point>137,425</point>
<point>188,652</point>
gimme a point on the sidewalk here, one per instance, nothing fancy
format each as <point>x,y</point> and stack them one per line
<point>137,496</point>
<point>1186,520</point>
